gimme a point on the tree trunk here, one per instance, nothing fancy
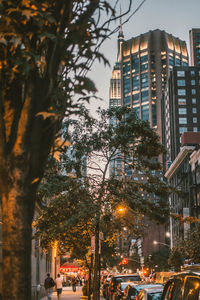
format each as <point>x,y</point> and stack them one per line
<point>96,264</point>
<point>17,215</point>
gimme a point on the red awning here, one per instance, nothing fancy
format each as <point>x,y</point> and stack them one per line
<point>70,267</point>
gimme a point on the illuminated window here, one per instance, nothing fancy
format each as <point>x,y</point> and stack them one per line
<point>181,101</point>
<point>180,73</point>
<point>194,120</point>
<point>181,92</point>
<point>194,110</point>
<point>135,83</point>
<point>194,100</point>
<point>182,111</point>
<point>181,82</point>
<point>193,91</point>
<point>195,129</point>
<point>182,120</point>
<point>182,129</point>
<point>144,80</point>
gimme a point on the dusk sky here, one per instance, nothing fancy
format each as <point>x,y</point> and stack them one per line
<point>176,17</point>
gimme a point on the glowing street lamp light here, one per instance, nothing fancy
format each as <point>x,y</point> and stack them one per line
<point>156,243</point>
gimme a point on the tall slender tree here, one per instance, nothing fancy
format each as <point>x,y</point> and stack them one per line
<point>46,49</point>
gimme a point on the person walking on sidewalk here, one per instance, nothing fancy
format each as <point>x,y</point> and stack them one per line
<point>58,282</point>
<point>73,284</point>
<point>49,284</point>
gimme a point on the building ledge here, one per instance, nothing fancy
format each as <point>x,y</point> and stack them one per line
<point>178,160</point>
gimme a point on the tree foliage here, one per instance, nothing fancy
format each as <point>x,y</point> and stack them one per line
<point>46,49</point>
<point>189,246</point>
<point>96,194</point>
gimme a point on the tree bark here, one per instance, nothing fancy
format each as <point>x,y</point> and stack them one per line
<point>96,263</point>
<point>17,214</point>
<point>23,154</point>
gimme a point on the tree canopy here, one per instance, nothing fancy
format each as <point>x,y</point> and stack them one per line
<point>46,50</point>
<point>97,143</point>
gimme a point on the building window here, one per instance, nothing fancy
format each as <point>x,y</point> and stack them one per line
<point>137,110</point>
<point>181,101</point>
<point>192,73</point>
<point>135,83</point>
<point>182,120</point>
<point>192,82</point>
<point>181,92</point>
<point>180,73</point>
<point>127,100</point>
<point>182,129</point>
<point>182,111</point>
<point>145,112</point>
<point>194,100</point>
<point>195,129</point>
<point>144,96</point>
<point>144,80</point>
<point>193,91</point>
<point>194,120</point>
<point>194,110</point>
<point>135,98</point>
<point>181,82</point>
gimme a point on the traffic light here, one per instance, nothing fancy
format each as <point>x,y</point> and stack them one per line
<point>146,271</point>
<point>124,261</point>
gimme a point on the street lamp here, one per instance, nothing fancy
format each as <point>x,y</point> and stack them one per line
<point>156,243</point>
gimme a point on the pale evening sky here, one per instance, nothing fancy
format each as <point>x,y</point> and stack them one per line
<point>176,17</point>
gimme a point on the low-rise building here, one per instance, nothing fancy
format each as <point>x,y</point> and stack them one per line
<point>181,176</point>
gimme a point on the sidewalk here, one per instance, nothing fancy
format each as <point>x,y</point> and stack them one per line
<point>68,294</point>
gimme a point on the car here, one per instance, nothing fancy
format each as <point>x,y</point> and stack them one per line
<point>150,293</point>
<point>116,279</point>
<point>105,288</point>
<point>184,285</point>
<point>132,290</point>
<point>120,290</point>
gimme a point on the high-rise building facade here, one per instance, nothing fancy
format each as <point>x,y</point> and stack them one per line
<point>146,61</point>
<point>115,86</point>
<point>182,107</point>
<point>195,47</point>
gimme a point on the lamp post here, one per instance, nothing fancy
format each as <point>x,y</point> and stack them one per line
<point>156,243</point>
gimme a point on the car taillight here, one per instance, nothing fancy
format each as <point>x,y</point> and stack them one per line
<point>136,298</point>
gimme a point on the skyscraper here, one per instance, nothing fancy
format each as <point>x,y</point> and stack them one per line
<point>195,47</point>
<point>146,61</point>
<point>182,107</point>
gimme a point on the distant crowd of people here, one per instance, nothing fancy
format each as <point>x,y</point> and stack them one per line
<point>49,285</point>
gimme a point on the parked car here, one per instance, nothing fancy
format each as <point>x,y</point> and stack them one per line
<point>184,285</point>
<point>116,279</point>
<point>132,289</point>
<point>150,293</point>
<point>105,287</point>
<point>120,290</point>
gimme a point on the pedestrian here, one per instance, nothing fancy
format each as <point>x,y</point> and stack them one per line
<point>49,284</point>
<point>73,284</point>
<point>59,286</point>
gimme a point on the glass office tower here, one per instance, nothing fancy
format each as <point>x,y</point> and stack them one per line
<point>146,62</point>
